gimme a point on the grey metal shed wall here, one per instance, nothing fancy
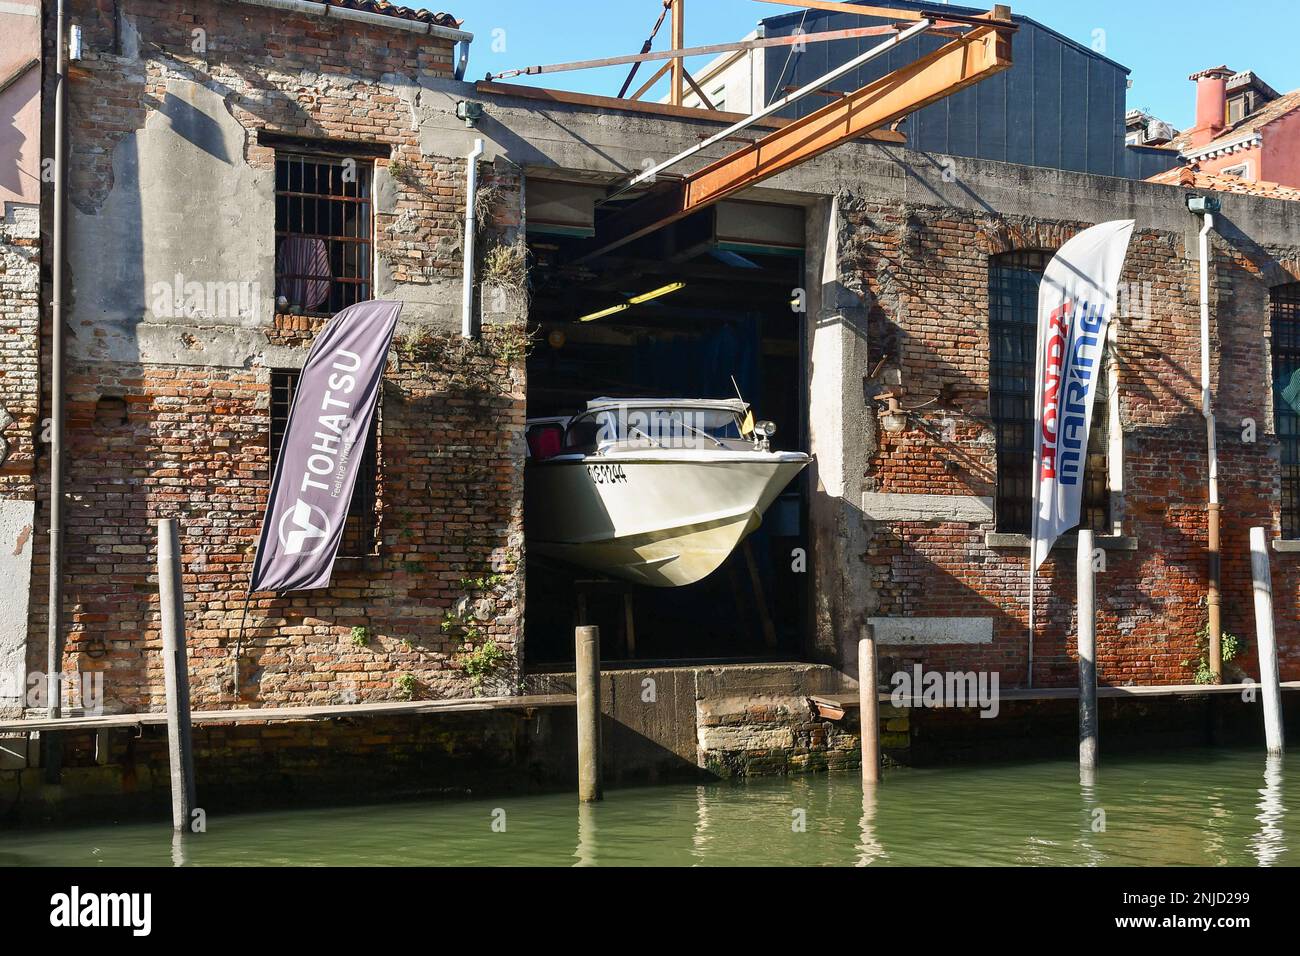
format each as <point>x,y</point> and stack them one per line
<point>1059,105</point>
<point>1143,162</point>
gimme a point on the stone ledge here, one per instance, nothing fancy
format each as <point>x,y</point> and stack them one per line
<point>891,506</point>
<point>932,630</point>
<point>1286,544</point>
<point>1108,542</point>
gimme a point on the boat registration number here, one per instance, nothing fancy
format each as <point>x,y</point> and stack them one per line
<point>607,474</point>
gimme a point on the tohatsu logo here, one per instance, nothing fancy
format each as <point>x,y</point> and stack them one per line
<point>334,436</point>
<point>303,529</point>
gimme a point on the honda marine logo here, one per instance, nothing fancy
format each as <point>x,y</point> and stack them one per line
<point>303,529</point>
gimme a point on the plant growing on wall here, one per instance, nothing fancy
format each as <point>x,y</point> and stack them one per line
<point>406,684</point>
<point>1230,646</point>
<point>512,343</point>
<point>360,637</point>
<point>481,662</point>
<point>402,172</point>
<point>479,658</point>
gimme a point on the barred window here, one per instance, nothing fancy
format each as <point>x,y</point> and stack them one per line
<point>1013,330</point>
<point>323,236</point>
<point>1285,303</point>
<point>359,533</point>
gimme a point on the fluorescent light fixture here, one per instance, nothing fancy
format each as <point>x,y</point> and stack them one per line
<point>635,300</point>
<point>603,312</point>
<point>656,293</point>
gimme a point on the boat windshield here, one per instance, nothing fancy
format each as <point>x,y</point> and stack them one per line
<point>652,427</point>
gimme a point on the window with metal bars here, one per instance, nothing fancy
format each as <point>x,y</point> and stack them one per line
<point>1013,330</point>
<point>359,532</point>
<point>1284,304</point>
<point>323,235</point>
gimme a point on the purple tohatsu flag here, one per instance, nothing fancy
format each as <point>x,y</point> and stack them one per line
<point>324,442</point>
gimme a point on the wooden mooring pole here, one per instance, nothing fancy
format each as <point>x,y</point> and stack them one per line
<point>1087,655</point>
<point>587,679</point>
<point>869,709</point>
<point>1270,691</point>
<point>171,608</point>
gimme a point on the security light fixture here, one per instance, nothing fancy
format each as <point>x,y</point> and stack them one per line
<point>894,418</point>
<point>469,111</point>
<point>1200,205</point>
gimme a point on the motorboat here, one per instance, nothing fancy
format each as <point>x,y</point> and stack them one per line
<point>655,491</point>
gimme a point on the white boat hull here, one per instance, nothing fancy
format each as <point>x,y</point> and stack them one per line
<point>660,518</point>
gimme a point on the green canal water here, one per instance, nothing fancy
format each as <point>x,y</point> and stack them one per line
<point>1182,807</point>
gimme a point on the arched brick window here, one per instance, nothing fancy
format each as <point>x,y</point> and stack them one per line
<point>1285,307</point>
<point>1013,327</point>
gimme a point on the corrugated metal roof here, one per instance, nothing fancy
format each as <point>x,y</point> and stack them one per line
<point>784,18</point>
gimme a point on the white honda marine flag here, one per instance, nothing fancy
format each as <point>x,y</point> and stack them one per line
<point>1075,303</point>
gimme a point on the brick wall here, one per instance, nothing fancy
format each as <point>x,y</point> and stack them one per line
<point>20,345</point>
<point>171,437</point>
<point>191,442</point>
<point>923,275</point>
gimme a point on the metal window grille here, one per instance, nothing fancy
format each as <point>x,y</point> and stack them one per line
<point>359,532</point>
<point>1013,329</point>
<point>323,232</point>
<point>1285,303</point>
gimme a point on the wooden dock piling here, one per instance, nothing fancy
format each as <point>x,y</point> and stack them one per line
<point>587,681</point>
<point>1087,655</point>
<point>869,712</point>
<point>1270,690</point>
<point>171,608</point>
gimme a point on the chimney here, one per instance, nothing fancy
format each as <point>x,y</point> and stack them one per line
<point>1211,105</point>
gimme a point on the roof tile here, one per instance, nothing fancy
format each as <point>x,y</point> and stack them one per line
<point>1189,178</point>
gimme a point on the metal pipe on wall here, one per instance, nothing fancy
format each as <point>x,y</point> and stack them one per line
<point>54,643</point>
<point>1212,596</point>
<point>467,274</point>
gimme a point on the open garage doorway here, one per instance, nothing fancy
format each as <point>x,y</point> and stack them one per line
<point>700,309</point>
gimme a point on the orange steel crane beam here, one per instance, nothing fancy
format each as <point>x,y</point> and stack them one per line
<point>982,52</point>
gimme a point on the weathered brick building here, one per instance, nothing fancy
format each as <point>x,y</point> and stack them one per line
<point>201,136</point>
<point>179,116</point>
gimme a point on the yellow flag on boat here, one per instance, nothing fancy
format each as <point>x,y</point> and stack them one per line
<point>747,426</point>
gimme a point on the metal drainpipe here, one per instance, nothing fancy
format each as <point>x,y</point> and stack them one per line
<point>467,290</point>
<point>54,643</point>
<point>1212,603</point>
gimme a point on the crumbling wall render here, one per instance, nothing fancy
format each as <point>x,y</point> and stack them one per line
<point>19,408</point>
<point>168,410</point>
